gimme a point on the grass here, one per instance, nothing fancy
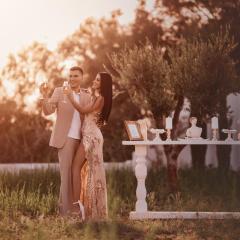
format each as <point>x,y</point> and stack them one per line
<point>28,207</point>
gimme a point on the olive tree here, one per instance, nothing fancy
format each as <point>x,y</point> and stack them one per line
<point>201,70</point>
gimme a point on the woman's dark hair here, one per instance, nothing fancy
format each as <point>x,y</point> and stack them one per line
<point>106,92</point>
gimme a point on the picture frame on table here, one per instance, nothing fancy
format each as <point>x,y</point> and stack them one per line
<point>133,130</point>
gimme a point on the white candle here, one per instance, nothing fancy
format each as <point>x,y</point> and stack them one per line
<point>214,123</point>
<point>168,123</point>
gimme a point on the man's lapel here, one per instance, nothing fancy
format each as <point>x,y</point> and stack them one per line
<point>67,107</point>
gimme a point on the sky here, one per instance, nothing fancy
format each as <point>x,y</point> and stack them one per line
<point>50,21</point>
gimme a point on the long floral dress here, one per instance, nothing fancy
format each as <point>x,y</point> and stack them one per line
<point>93,179</point>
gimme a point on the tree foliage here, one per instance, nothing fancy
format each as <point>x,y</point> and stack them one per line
<point>200,70</point>
<point>203,71</point>
<point>144,72</point>
<point>22,137</point>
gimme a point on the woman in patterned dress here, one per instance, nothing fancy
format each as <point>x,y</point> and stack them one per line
<point>93,194</point>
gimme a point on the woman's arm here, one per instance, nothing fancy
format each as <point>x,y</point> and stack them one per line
<point>89,108</point>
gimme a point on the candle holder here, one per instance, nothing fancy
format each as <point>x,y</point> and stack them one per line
<point>214,134</point>
<point>157,132</point>
<point>168,135</point>
<point>229,132</point>
<point>169,126</point>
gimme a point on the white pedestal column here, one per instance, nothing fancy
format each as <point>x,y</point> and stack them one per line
<point>141,174</point>
<point>141,211</point>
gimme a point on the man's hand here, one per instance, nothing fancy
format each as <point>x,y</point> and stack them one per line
<point>68,92</point>
<point>44,90</point>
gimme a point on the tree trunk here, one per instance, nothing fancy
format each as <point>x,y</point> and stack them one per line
<point>172,151</point>
<point>223,152</point>
<point>199,151</point>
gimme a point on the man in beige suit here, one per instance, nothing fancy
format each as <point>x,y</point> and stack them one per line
<point>66,136</point>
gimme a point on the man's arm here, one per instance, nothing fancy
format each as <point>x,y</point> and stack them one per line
<point>49,105</point>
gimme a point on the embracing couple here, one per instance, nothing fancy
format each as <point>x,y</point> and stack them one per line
<point>77,136</point>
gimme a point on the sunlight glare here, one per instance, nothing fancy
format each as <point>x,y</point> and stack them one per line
<point>9,87</point>
<point>30,99</point>
<point>67,64</point>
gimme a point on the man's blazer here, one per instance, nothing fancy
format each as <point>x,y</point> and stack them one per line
<point>64,114</point>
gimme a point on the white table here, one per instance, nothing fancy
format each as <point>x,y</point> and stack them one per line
<point>141,210</point>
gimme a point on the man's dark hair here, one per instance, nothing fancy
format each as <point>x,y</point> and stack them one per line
<point>76,68</point>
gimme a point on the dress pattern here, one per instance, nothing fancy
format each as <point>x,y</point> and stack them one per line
<point>93,179</point>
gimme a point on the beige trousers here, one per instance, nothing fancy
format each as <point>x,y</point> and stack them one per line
<point>66,156</point>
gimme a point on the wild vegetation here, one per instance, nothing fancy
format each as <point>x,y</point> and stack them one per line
<point>28,207</point>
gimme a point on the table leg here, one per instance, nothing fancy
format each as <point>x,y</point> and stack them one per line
<point>141,174</point>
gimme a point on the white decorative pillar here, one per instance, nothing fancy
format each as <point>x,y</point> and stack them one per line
<point>141,174</point>
<point>211,159</point>
<point>233,101</point>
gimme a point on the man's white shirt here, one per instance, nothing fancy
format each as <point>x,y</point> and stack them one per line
<point>74,131</point>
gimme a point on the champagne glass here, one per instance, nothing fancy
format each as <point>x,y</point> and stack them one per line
<point>41,82</point>
<point>65,87</point>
